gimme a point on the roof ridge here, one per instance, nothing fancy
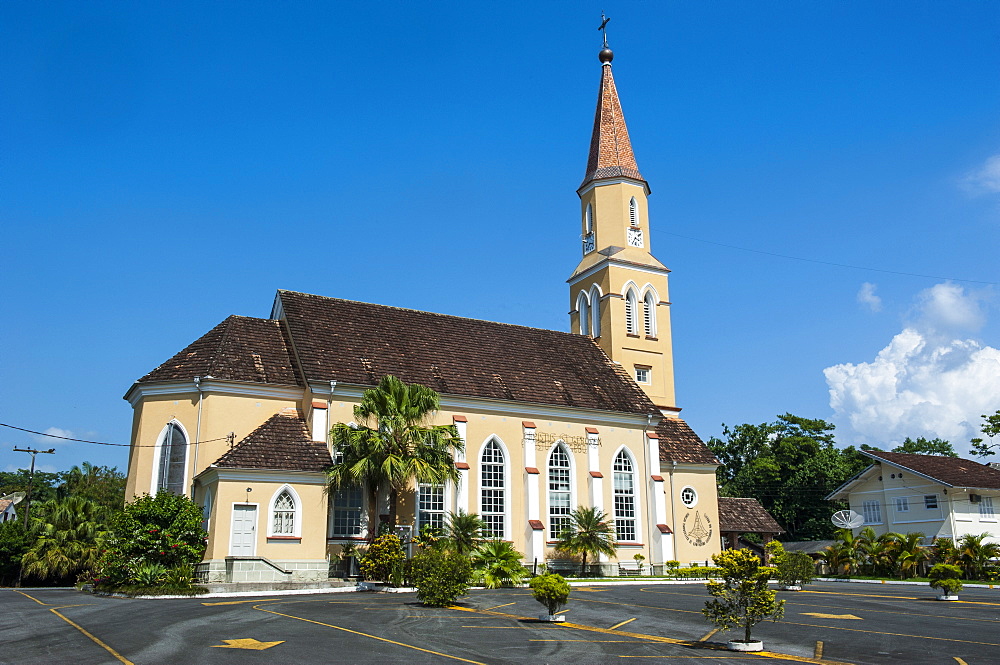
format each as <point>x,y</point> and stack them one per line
<point>228,322</point>
<point>434,314</point>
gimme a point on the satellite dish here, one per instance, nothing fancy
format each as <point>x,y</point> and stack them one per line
<point>15,497</point>
<point>847,519</point>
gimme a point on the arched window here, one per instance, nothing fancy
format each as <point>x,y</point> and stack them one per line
<point>173,459</point>
<point>559,491</point>
<point>206,509</point>
<point>583,309</point>
<point>283,515</point>
<point>624,493</point>
<point>493,502</point>
<point>595,312</point>
<point>649,313</point>
<point>588,220</point>
<point>631,313</point>
<point>633,212</point>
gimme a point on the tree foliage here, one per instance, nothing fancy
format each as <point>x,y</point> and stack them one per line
<point>66,539</point>
<point>990,428</point>
<point>103,485</point>
<point>742,599</point>
<point>790,466</point>
<point>589,533</point>
<point>551,590</point>
<point>393,445</point>
<point>383,561</point>
<point>946,576</point>
<point>464,531</point>
<point>495,563</point>
<point>440,576</point>
<point>14,542</point>
<point>922,446</point>
<point>163,529</point>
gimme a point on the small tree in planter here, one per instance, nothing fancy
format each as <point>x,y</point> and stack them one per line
<point>552,591</point>
<point>639,558</point>
<point>946,576</point>
<point>742,599</point>
<point>793,568</point>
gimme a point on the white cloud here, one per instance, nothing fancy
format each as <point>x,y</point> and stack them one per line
<point>53,431</point>
<point>867,297</point>
<point>929,381</point>
<point>985,179</point>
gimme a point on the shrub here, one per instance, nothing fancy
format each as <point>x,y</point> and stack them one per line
<point>551,590</point>
<point>440,577</point>
<point>384,559</point>
<point>946,576</point>
<point>670,567</point>
<point>14,542</point>
<point>742,599</point>
<point>149,574</point>
<point>795,568</point>
<point>496,563</point>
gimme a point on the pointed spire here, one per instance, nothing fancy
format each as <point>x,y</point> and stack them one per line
<point>610,149</point>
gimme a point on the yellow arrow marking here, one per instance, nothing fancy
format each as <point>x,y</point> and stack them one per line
<point>820,615</point>
<point>247,643</point>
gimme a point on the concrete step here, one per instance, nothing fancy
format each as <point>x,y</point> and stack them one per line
<point>235,587</point>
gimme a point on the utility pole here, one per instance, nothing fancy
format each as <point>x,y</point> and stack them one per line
<point>31,477</point>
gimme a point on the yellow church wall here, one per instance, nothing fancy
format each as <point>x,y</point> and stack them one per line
<point>702,479</point>
<point>220,415</point>
<point>611,212</point>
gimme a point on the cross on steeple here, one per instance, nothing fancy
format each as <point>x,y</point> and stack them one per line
<point>604,23</point>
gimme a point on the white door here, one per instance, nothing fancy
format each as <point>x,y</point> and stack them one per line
<point>244,531</point>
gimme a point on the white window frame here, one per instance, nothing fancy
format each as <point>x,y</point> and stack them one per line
<point>986,513</point>
<point>595,311</point>
<point>568,492</point>
<point>931,502</point>
<point>506,488</point>
<point>362,515</point>
<point>631,312</point>
<point>873,508</point>
<point>649,313</point>
<point>688,491</point>
<point>158,453</point>
<point>296,513</point>
<point>902,504</point>
<point>636,518</point>
<point>643,375</point>
<point>633,213</point>
<point>424,490</point>
<point>583,311</point>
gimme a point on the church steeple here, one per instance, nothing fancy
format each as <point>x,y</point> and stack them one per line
<point>618,292</point>
<point>611,153</point>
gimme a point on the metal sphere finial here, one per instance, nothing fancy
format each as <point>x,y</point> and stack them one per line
<point>606,55</point>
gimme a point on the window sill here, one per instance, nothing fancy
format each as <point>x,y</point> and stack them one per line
<point>296,539</point>
<point>629,544</point>
<point>652,339</point>
<point>631,335</point>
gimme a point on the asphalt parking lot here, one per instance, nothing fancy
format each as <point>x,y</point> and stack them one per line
<point>828,622</point>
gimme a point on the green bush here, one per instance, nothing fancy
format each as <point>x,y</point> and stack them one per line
<point>551,590</point>
<point>697,572</point>
<point>795,568</point>
<point>149,574</point>
<point>14,542</point>
<point>946,576</point>
<point>670,567</point>
<point>440,577</point>
<point>384,560</point>
<point>495,563</point>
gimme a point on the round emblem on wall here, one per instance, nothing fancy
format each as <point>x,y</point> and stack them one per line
<point>697,528</point>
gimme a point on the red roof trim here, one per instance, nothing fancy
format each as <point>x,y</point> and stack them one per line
<point>460,419</point>
<point>663,528</point>
<point>464,466</point>
<point>652,435</point>
<point>596,474</point>
<point>536,525</point>
<point>527,424</point>
<point>592,430</point>
<point>531,469</point>
<point>319,405</point>
<point>658,479</point>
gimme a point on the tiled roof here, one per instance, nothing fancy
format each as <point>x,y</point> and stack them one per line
<point>4,504</point>
<point>238,349</point>
<point>952,471</point>
<point>283,442</point>
<point>745,516</point>
<point>354,342</point>
<point>611,153</point>
<point>679,443</point>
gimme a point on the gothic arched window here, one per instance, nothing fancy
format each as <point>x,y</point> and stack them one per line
<point>649,313</point>
<point>589,219</point>
<point>493,502</point>
<point>595,312</point>
<point>583,309</point>
<point>631,313</point>
<point>173,459</point>
<point>624,496</point>
<point>559,491</point>
<point>283,515</point>
<point>633,212</point>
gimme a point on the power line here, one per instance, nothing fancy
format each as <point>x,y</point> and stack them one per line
<point>827,263</point>
<point>103,443</point>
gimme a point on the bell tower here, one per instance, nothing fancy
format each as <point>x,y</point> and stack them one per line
<point>618,292</point>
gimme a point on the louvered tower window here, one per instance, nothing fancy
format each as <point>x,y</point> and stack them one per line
<point>583,309</point>
<point>631,313</point>
<point>633,212</point>
<point>649,314</point>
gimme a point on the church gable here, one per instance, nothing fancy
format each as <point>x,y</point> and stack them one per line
<point>238,349</point>
<point>358,343</point>
<point>282,442</point>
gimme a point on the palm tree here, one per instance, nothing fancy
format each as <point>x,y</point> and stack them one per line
<point>974,555</point>
<point>495,563</point>
<point>909,553</point>
<point>867,545</point>
<point>393,446</point>
<point>464,531</point>
<point>589,532</point>
<point>68,535</point>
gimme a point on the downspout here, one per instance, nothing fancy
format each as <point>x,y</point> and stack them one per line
<point>673,509</point>
<point>197,434</point>
<point>650,506</point>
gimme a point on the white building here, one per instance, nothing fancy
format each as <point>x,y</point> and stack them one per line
<point>941,497</point>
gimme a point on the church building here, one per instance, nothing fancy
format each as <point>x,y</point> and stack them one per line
<point>239,420</point>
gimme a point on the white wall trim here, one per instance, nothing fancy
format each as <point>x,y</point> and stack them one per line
<point>296,518</point>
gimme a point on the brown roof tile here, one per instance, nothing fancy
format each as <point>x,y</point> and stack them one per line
<point>238,349</point>
<point>679,443</point>
<point>745,516</point>
<point>358,343</point>
<point>611,153</point>
<point>953,471</point>
<point>283,442</point>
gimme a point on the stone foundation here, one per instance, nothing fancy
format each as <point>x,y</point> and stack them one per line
<point>259,569</point>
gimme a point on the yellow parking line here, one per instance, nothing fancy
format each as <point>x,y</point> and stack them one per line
<point>960,661</point>
<point>707,636</point>
<point>504,605</point>
<point>83,630</point>
<point>33,598</point>
<point>818,651</point>
<point>238,602</point>
<point>863,595</point>
<point>619,625</point>
<point>877,632</point>
<point>374,637</point>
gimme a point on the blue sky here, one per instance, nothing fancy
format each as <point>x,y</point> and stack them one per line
<point>165,165</point>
